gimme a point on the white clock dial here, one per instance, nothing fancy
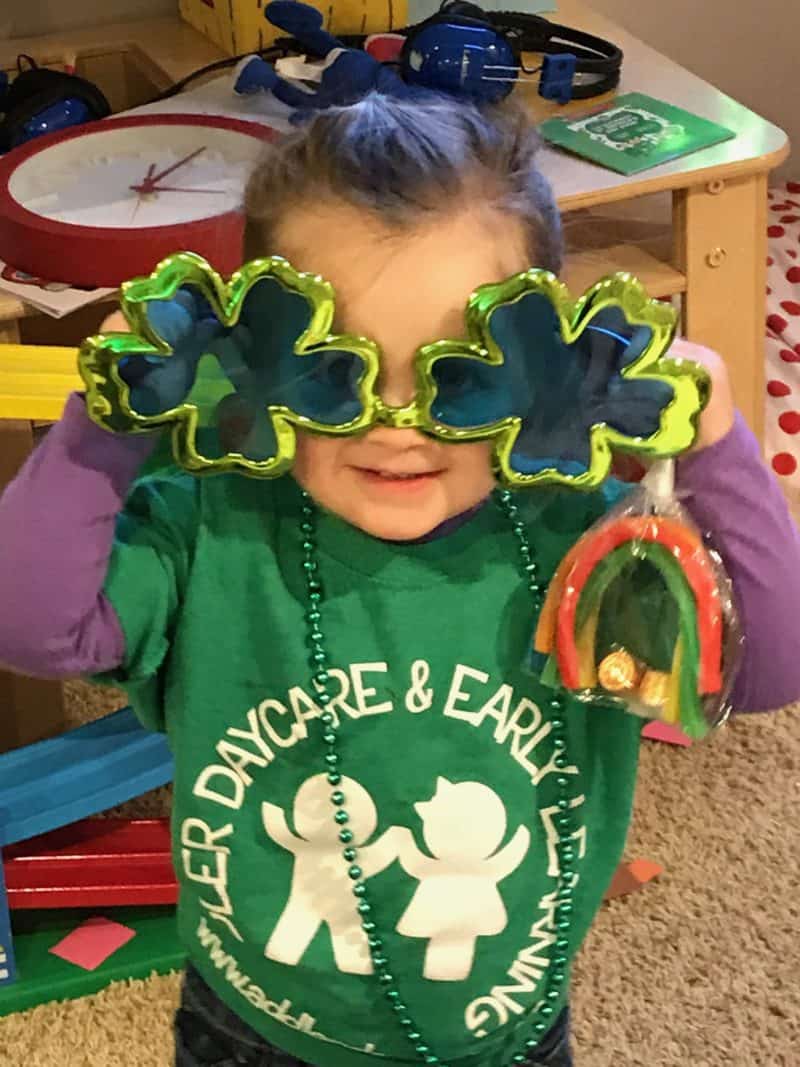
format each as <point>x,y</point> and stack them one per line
<point>118,178</point>
<point>105,202</point>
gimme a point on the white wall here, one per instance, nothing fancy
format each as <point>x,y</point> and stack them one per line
<point>19,18</point>
<point>748,48</point>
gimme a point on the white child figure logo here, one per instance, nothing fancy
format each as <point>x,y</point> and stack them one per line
<point>321,891</point>
<point>457,900</point>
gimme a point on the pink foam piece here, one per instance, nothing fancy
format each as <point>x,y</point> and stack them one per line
<point>91,943</point>
<point>662,731</point>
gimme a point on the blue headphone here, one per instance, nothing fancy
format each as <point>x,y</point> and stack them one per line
<point>461,50</point>
<point>40,100</point>
<point>465,50</point>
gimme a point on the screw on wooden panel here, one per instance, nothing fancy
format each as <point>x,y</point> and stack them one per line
<point>715,187</point>
<point>716,257</point>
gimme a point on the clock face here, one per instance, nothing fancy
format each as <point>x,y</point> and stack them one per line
<point>102,203</point>
<point>118,178</point>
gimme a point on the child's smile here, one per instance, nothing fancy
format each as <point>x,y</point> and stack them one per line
<point>399,481</point>
<point>404,289</point>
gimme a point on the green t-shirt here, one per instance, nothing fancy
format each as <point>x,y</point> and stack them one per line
<point>447,757</point>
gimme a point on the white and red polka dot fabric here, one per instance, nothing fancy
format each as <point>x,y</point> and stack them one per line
<point>782,435</point>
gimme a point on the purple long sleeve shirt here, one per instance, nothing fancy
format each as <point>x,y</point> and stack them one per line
<point>57,522</point>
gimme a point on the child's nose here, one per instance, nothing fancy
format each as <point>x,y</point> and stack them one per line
<point>397,387</point>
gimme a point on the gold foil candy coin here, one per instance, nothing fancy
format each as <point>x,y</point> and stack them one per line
<point>654,688</point>
<point>618,672</point>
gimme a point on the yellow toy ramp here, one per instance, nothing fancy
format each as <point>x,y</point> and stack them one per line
<point>36,380</point>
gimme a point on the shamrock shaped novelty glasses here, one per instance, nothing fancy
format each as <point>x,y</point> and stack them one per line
<point>235,368</point>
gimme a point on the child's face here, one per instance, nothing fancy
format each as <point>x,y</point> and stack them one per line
<point>402,289</point>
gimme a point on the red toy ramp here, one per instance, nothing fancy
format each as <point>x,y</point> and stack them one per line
<point>93,863</point>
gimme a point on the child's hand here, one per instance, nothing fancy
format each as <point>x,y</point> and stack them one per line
<point>717,419</point>
<point>114,323</point>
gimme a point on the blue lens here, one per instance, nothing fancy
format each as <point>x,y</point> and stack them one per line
<point>321,384</point>
<point>469,392</point>
<point>233,376</point>
<point>558,391</point>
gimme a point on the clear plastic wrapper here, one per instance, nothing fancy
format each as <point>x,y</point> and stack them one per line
<point>641,612</point>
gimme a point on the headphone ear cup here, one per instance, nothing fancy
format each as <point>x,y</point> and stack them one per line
<point>457,13</point>
<point>33,91</point>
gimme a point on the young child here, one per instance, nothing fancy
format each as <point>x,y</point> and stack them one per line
<point>426,923</point>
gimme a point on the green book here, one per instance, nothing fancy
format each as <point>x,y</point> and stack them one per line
<point>634,133</point>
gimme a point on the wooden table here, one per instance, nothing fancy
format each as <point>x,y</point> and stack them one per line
<point>715,254</point>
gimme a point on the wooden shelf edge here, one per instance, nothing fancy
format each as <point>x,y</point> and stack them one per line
<point>175,47</point>
<point>658,183</point>
<point>583,269</point>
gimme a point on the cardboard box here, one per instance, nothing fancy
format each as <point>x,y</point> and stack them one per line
<point>239,26</point>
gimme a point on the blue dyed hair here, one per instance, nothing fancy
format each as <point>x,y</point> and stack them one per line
<point>402,160</point>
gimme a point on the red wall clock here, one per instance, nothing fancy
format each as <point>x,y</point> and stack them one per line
<point>101,203</point>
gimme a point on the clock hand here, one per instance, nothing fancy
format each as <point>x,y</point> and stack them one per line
<point>147,181</point>
<point>181,162</point>
<point>175,189</point>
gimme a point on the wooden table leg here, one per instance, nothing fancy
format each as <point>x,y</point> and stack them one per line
<point>30,708</point>
<point>721,247</point>
<point>9,332</point>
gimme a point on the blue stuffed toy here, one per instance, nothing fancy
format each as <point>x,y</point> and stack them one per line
<point>350,76</point>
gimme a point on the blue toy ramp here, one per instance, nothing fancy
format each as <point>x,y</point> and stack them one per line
<point>83,772</point>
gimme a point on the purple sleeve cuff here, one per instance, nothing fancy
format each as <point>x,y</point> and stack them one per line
<point>57,522</point>
<point>733,496</point>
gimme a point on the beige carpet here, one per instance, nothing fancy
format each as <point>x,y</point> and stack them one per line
<point>701,968</point>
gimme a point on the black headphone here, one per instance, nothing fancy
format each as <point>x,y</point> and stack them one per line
<point>39,97</point>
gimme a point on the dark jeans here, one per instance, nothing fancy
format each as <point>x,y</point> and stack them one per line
<point>209,1034</point>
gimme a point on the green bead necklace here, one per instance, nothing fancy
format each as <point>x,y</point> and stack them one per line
<point>556,976</point>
